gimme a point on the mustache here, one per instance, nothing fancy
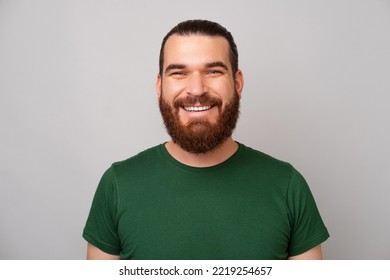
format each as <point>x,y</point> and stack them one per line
<point>203,100</point>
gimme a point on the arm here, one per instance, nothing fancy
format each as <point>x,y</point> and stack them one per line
<point>313,254</point>
<point>94,253</point>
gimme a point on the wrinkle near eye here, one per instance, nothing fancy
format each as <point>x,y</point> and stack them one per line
<point>215,72</point>
<point>177,74</point>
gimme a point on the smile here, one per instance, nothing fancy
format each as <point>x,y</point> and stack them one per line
<point>197,109</point>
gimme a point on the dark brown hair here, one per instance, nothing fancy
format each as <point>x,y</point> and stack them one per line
<point>201,27</point>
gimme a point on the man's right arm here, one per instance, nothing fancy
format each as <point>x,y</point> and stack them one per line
<point>94,253</point>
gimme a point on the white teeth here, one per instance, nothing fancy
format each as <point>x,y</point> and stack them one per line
<point>197,109</point>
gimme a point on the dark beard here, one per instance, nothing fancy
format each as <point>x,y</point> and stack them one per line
<point>200,136</point>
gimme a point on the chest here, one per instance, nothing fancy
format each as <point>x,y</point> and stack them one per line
<point>203,219</point>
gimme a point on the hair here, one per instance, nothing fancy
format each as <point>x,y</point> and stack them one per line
<point>201,27</point>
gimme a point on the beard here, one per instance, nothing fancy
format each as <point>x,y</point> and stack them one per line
<point>200,136</point>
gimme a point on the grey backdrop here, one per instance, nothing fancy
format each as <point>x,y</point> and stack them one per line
<point>77,93</point>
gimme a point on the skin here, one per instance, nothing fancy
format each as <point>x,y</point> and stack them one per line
<point>196,65</point>
<point>94,253</point>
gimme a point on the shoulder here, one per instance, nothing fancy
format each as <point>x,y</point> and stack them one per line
<point>141,160</point>
<point>258,159</point>
<point>269,172</point>
<point>132,170</point>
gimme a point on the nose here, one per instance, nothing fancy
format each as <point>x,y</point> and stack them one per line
<point>196,85</point>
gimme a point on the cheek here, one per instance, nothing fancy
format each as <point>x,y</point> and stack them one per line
<point>222,83</point>
<point>173,88</point>
<point>224,90</point>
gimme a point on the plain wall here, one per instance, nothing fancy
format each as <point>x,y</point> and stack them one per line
<point>77,92</point>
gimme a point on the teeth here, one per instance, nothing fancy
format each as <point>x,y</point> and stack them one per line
<point>197,109</point>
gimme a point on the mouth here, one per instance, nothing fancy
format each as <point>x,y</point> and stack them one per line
<point>197,108</point>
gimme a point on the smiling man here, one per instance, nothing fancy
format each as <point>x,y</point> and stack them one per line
<point>199,97</point>
<point>202,195</point>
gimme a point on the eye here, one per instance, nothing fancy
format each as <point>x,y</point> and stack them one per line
<point>214,72</point>
<point>178,73</point>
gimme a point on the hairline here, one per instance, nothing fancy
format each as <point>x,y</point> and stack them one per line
<point>209,64</point>
<point>174,32</point>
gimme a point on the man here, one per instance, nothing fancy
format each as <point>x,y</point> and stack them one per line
<point>202,195</point>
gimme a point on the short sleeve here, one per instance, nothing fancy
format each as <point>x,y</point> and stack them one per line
<point>101,226</point>
<point>308,229</point>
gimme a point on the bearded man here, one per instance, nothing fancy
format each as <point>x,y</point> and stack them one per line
<point>202,195</point>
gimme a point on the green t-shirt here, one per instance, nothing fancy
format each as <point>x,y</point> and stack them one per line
<point>251,206</point>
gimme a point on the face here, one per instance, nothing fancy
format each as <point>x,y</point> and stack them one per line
<point>198,93</point>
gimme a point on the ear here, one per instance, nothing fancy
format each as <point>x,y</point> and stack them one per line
<point>239,82</point>
<point>158,86</point>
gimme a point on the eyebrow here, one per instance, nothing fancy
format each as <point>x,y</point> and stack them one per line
<point>217,64</point>
<point>214,64</point>
<point>171,67</point>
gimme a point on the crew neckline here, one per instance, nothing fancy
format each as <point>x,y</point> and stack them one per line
<point>166,155</point>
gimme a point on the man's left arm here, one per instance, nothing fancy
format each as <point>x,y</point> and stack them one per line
<point>308,231</point>
<point>312,254</point>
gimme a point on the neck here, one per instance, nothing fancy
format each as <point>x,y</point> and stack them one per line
<point>214,157</point>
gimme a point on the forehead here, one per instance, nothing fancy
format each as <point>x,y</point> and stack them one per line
<point>188,49</point>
